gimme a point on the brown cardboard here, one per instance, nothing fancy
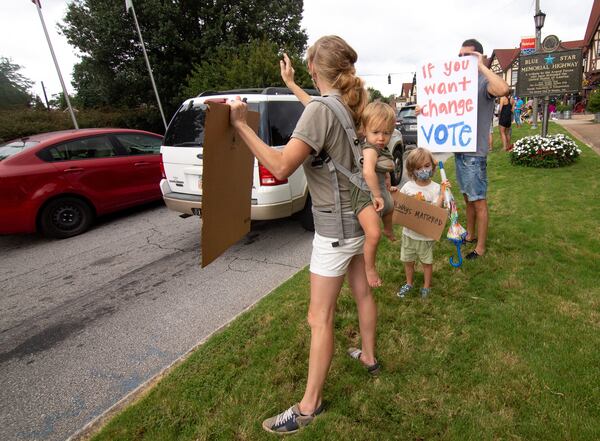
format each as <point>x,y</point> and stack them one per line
<point>422,217</point>
<point>227,171</point>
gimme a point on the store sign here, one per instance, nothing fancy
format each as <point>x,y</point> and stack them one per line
<point>551,73</point>
<point>527,45</point>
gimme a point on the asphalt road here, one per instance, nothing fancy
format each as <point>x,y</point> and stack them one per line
<point>86,320</point>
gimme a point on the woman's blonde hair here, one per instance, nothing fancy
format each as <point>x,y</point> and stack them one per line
<point>333,59</point>
<point>415,160</point>
<point>378,115</point>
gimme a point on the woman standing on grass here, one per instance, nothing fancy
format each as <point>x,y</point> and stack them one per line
<point>505,118</point>
<point>331,66</point>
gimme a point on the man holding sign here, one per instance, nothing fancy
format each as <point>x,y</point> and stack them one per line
<point>471,168</point>
<point>456,106</point>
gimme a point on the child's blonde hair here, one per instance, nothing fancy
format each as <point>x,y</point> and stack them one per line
<point>415,160</point>
<point>378,115</point>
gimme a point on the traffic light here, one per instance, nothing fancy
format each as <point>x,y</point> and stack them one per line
<point>389,78</point>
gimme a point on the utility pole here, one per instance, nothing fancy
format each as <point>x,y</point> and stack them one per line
<point>128,6</point>
<point>45,96</point>
<point>62,83</point>
<point>538,48</point>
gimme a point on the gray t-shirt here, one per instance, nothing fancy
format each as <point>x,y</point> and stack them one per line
<point>320,129</point>
<point>485,113</point>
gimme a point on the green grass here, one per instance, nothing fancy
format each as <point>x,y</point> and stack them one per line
<point>506,348</point>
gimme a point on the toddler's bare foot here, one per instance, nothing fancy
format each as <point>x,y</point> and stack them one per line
<point>373,278</point>
<point>389,234</point>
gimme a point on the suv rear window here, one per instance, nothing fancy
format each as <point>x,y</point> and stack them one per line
<point>187,126</point>
<point>283,116</point>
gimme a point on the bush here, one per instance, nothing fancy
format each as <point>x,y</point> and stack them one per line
<point>562,107</point>
<point>19,123</point>
<point>552,151</point>
<point>593,105</point>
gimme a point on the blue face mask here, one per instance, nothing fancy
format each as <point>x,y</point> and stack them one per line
<point>424,173</point>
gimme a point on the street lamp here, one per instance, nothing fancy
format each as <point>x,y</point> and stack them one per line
<point>539,19</point>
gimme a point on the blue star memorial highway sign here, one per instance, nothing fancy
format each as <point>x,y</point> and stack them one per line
<point>549,74</point>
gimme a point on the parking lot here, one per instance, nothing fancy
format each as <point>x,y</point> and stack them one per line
<point>86,320</point>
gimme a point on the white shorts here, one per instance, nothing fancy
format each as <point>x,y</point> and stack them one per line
<point>330,261</point>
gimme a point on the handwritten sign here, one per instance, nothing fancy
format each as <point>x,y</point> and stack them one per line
<point>447,95</point>
<point>422,217</point>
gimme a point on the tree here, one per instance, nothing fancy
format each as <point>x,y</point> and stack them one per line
<point>255,64</point>
<point>376,95</point>
<point>13,86</point>
<point>593,104</point>
<point>178,35</point>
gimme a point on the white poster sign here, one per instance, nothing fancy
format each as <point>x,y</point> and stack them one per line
<point>447,95</point>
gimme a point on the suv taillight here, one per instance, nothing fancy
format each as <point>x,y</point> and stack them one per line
<point>162,168</point>
<point>267,178</point>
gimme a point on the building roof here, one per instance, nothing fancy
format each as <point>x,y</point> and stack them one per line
<point>593,24</point>
<point>576,44</point>
<point>506,57</point>
<point>406,89</point>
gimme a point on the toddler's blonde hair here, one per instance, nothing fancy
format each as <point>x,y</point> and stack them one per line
<point>378,115</point>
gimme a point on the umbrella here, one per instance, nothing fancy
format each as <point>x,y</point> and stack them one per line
<point>456,233</point>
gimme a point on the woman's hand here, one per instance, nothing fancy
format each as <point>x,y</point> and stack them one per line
<point>287,71</point>
<point>237,112</point>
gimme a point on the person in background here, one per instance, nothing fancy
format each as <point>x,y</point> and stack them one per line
<point>504,120</point>
<point>519,105</point>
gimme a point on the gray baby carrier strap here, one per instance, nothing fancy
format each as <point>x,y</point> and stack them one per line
<point>338,224</point>
<point>341,113</point>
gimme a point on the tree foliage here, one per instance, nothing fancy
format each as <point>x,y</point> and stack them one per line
<point>13,86</point>
<point>255,64</point>
<point>178,34</point>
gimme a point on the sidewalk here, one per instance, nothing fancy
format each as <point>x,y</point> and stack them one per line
<point>584,128</point>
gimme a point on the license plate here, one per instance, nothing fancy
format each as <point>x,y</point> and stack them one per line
<point>412,127</point>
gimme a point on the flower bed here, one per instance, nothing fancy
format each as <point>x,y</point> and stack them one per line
<point>552,151</point>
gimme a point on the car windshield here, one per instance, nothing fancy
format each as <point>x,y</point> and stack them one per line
<point>14,147</point>
<point>406,112</point>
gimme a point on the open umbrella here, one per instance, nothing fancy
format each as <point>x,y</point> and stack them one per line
<point>456,233</point>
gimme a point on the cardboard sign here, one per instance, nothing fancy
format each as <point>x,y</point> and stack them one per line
<point>447,95</point>
<point>422,217</point>
<point>228,166</point>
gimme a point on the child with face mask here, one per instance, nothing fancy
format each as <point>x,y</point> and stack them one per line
<point>420,166</point>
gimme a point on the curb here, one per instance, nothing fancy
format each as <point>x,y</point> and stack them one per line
<point>98,423</point>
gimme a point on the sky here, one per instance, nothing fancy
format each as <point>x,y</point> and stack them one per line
<point>390,36</point>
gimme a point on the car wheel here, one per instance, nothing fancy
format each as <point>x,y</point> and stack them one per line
<point>65,217</point>
<point>306,217</point>
<point>396,175</point>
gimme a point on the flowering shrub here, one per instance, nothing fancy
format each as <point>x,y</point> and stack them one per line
<point>549,152</point>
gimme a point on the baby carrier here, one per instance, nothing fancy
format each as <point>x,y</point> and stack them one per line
<point>336,223</point>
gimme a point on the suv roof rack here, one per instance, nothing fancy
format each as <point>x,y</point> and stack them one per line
<point>257,91</point>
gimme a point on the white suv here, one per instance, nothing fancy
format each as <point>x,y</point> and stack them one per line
<point>279,111</point>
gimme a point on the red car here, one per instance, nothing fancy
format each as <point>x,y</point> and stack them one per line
<point>58,182</point>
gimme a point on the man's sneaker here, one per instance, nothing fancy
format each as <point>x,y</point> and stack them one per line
<point>290,420</point>
<point>425,292</point>
<point>403,290</point>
